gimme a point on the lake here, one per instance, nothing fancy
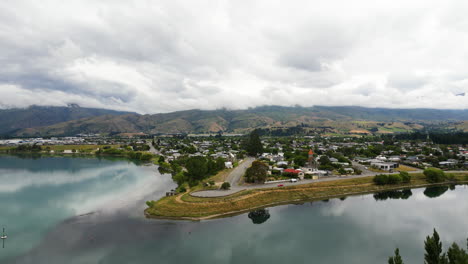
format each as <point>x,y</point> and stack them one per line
<point>87,210</point>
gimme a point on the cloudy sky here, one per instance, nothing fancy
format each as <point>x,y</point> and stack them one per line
<point>161,56</point>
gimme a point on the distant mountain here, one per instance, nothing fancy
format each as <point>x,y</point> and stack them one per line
<point>319,118</point>
<point>16,119</point>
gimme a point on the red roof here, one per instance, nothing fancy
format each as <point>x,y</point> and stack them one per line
<point>292,171</point>
<point>311,152</point>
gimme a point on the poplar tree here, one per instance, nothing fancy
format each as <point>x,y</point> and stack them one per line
<point>395,259</point>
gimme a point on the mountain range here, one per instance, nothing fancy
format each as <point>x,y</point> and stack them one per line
<point>72,120</point>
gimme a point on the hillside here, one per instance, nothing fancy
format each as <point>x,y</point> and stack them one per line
<point>349,120</point>
<point>15,119</point>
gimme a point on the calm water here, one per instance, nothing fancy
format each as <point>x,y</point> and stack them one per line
<point>42,202</point>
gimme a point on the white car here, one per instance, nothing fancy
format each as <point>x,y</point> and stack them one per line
<point>293,180</point>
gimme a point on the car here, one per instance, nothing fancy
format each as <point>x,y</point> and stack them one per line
<point>293,180</point>
<point>280,185</point>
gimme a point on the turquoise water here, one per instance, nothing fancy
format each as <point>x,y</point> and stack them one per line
<point>42,204</point>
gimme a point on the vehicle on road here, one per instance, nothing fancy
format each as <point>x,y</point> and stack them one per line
<point>280,185</point>
<point>293,180</point>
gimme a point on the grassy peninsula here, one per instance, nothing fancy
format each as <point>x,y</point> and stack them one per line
<point>188,207</point>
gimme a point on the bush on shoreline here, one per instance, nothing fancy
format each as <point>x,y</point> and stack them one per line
<point>434,175</point>
<point>384,179</point>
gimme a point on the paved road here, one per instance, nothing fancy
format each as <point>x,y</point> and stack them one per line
<point>152,149</point>
<point>233,179</point>
<point>237,188</point>
<point>235,175</point>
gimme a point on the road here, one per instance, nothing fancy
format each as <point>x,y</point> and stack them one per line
<point>152,149</point>
<point>235,175</point>
<point>233,179</point>
<point>235,187</point>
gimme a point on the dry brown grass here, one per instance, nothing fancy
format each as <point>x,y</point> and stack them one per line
<point>405,168</point>
<point>186,206</point>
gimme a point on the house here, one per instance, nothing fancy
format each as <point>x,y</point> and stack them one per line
<point>387,166</point>
<point>294,172</point>
<point>228,165</point>
<point>282,163</point>
<point>394,159</point>
<point>447,163</point>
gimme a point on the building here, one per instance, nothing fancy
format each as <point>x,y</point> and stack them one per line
<point>386,166</point>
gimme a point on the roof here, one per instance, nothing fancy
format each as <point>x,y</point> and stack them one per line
<point>311,152</point>
<point>292,171</point>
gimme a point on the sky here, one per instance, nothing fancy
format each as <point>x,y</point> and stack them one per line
<point>162,56</point>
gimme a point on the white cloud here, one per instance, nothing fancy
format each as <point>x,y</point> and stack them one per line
<point>159,56</point>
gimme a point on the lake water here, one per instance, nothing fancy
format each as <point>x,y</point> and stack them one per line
<point>78,210</point>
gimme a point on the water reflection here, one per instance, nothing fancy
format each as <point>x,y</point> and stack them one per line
<point>435,191</point>
<point>259,216</point>
<point>36,195</point>
<point>394,194</point>
<point>358,228</point>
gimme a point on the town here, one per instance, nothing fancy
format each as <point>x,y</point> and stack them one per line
<point>284,158</point>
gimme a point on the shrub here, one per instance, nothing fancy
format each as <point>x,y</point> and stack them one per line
<point>211,183</point>
<point>181,189</point>
<point>225,186</point>
<point>357,171</point>
<point>146,156</point>
<point>150,203</point>
<point>434,175</point>
<point>342,171</point>
<point>394,179</point>
<point>381,179</point>
<point>405,177</point>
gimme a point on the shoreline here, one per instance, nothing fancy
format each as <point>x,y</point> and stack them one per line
<point>336,189</point>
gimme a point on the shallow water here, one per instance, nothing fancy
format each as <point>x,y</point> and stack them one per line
<point>40,201</point>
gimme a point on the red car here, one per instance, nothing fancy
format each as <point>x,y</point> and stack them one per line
<point>280,185</point>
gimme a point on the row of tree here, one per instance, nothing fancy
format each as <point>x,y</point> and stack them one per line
<point>434,253</point>
<point>384,179</point>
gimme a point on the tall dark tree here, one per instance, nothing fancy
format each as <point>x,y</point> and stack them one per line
<point>395,259</point>
<point>196,168</point>
<point>433,248</point>
<point>257,172</point>
<point>456,255</point>
<point>433,255</point>
<point>253,145</point>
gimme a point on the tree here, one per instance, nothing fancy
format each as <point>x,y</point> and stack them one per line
<point>394,179</point>
<point>253,145</point>
<point>381,179</point>
<point>395,259</point>
<point>196,168</point>
<point>257,172</point>
<point>434,175</point>
<point>456,255</point>
<point>433,248</point>
<point>342,171</point>
<point>434,255</point>
<point>225,186</point>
